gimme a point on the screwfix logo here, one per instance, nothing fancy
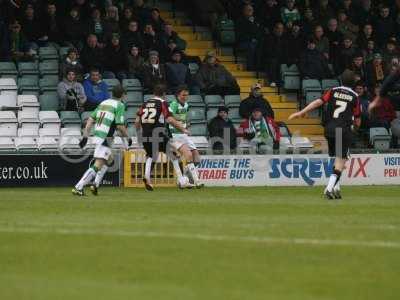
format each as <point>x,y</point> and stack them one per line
<point>358,167</point>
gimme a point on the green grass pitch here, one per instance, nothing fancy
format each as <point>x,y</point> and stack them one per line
<point>216,243</point>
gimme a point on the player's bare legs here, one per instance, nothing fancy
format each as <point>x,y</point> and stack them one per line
<point>190,156</point>
<point>100,175</point>
<point>333,188</point>
<point>147,174</point>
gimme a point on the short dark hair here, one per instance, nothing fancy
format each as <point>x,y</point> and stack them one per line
<point>348,78</point>
<point>181,88</point>
<point>159,90</point>
<point>94,70</point>
<point>118,91</point>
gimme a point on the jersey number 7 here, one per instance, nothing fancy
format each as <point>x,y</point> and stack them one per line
<point>341,107</point>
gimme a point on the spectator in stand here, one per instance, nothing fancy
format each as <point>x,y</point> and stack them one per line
<point>255,99</point>
<point>376,71</point>
<point>142,12</point>
<point>207,12</point>
<point>151,39</point>
<point>269,14</point>
<point>85,7</point>
<point>365,35</point>
<point>324,11</point>
<point>18,47</point>
<point>345,56</point>
<point>74,29</point>
<point>365,100</point>
<point>351,10</point>
<point>390,53</point>
<point>290,13</point>
<point>248,36</point>
<point>156,20</point>
<point>96,27</point>
<point>384,114</point>
<point>111,23</point>
<point>71,62</point>
<point>177,73</point>
<point>313,64</point>
<point>262,132</point>
<point>135,63</point>
<point>357,66</point>
<point>133,36</point>
<point>309,22</point>
<point>214,79</point>
<point>32,28</point>
<point>92,56</point>
<point>153,72</point>
<point>321,42</point>
<point>295,39</point>
<point>275,48</point>
<point>96,90</point>
<point>335,37</point>
<point>126,19</point>
<point>71,93</point>
<point>3,40</point>
<point>51,24</point>
<point>116,62</point>
<point>346,27</point>
<point>369,51</point>
<point>384,25</point>
<point>222,131</point>
<point>170,41</point>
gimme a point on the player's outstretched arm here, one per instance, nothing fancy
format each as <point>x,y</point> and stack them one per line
<point>310,107</point>
<point>137,122</point>
<point>177,124</point>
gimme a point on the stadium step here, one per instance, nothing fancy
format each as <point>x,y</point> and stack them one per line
<point>304,121</point>
<point>247,74</point>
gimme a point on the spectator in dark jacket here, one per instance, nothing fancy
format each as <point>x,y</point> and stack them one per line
<point>52,25</point>
<point>96,90</point>
<point>177,73</point>
<point>170,41</point>
<point>156,20</point>
<point>358,67</point>
<point>248,36</point>
<point>92,56</point>
<point>133,36</point>
<point>135,63</point>
<point>268,13</point>
<point>295,39</point>
<point>384,26</point>
<point>335,37</point>
<point>116,62</point>
<point>365,35</point>
<point>126,18</point>
<point>313,64</point>
<point>151,39</point>
<point>18,48</point>
<point>345,55</point>
<point>321,41</point>
<point>275,48</point>
<point>254,100</point>
<point>96,26</point>
<point>142,12</point>
<point>111,23</point>
<point>222,131</point>
<point>153,72</point>
<point>32,28</point>
<point>74,29</point>
<point>214,79</point>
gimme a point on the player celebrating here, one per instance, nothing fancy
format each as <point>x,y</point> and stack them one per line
<point>152,118</point>
<point>107,117</point>
<point>342,105</point>
<point>180,141</point>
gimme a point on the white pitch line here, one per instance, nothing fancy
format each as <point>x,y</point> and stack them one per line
<point>206,237</point>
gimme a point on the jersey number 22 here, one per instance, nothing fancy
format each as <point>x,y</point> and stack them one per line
<point>149,115</point>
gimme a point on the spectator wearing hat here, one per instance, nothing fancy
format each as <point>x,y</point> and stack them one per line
<point>71,62</point>
<point>214,79</point>
<point>222,131</point>
<point>153,72</point>
<point>96,90</point>
<point>170,41</point>
<point>117,62</point>
<point>262,132</point>
<point>376,71</point>
<point>313,64</point>
<point>135,63</point>
<point>255,99</point>
<point>133,36</point>
<point>177,73</point>
<point>248,36</point>
<point>71,93</point>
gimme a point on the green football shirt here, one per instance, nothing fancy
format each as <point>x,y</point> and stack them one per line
<point>180,113</point>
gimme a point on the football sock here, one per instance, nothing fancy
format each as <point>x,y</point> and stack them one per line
<point>193,172</point>
<point>86,178</point>
<point>337,184</point>
<point>333,180</point>
<point>177,168</point>
<point>99,176</point>
<point>147,173</point>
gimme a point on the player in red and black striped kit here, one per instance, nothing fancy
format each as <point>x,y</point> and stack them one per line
<point>341,112</point>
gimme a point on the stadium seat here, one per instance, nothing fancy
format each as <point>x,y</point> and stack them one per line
<point>7,144</point>
<point>195,99</point>
<point>28,103</point>
<point>329,83</point>
<point>232,100</point>
<point>48,83</point>
<point>131,85</point>
<point>49,67</point>
<point>234,113</point>
<point>196,115</point>
<point>226,32</point>
<point>310,84</point>
<point>8,124</point>
<point>134,98</point>
<point>130,114</point>
<point>131,130</point>
<point>28,117</point>
<point>70,117</point>
<point>211,113</point>
<point>290,77</point>
<point>85,116</point>
<point>49,132</point>
<point>111,83</point>
<point>49,102</point>
<point>213,100</point>
<point>8,69</point>
<point>49,119</point>
<point>71,132</point>
<point>47,143</point>
<point>194,68</point>
<point>28,68</point>
<point>28,132</point>
<point>69,144</point>
<point>48,53</point>
<point>147,97</point>
<point>380,138</point>
<point>6,100</point>
<point>28,83</point>
<point>198,129</point>
<point>62,52</point>
<point>26,144</point>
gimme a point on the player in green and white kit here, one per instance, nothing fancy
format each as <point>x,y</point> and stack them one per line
<point>108,116</point>
<point>180,141</point>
